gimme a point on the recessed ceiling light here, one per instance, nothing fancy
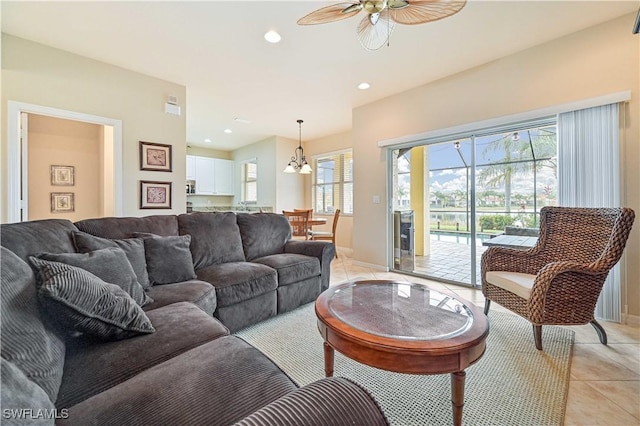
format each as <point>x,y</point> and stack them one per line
<point>241,120</point>
<point>363,86</point>
<point>207,140</point>
<point>272,37</point>
<point>228,131</point>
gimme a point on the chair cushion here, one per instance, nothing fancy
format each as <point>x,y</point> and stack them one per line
<point>30,343</point>
<point>291,267</point>
<point>215,237</point>
<point>132,247</point>
<point>200,293</point>
<point>123,227</point>
<point>92,368</point>
<point>109,264</point>
<point>239,281</point>
<point>263,234</point>
<point>27,238</point>
<point>81,303</point>
<point>168,258</point>
<point>517,283</point>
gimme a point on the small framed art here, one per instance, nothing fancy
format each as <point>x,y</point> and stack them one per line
<point>155,195</point>
<point>62,202</point>
<point>62,175</point>
<point>155,156</point>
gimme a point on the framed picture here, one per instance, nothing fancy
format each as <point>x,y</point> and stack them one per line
<point>62,175</point>
<point>62,202</point>
<point>155,156</point>
<point>155,195</point>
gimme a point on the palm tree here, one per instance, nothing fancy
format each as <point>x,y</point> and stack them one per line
<point>518,159</point>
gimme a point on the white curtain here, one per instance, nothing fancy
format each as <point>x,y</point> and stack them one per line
<point>589,176</point>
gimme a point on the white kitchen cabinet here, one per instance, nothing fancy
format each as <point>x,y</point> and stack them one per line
<point>213,176</point>
<point>191,167</point>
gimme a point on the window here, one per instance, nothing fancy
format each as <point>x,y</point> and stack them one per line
<point>250,182</point>
<point>333,183</point>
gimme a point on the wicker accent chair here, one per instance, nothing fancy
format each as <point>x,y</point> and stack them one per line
<point>558,281</point>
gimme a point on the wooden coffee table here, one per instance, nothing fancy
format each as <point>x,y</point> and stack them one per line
<point>403,327</point>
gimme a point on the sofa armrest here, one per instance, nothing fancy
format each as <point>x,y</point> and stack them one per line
<point>330,401</point>
<point>323,250</point>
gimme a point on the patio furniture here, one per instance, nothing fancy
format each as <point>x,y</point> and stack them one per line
<point>511,241</point>
<point>328,236</point>
<point>558,281</point>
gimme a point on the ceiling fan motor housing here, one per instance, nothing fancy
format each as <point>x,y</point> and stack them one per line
<point>374,6</point>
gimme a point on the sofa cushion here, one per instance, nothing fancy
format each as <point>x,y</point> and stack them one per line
<point>19,393</point>
<point>132,247</point>
<point>109,264</point>
<point>239,281</point>
<point>93,368</point>
<point>82,303</point>
<point>27,238</point>
<point>215,237</point>
<point>217,383</point>
<point>263,233</point>
<point>28,342</point>
<point>168,258</point>
<point>200,293</point>
<point>291,267</point>
<point>123,227</point>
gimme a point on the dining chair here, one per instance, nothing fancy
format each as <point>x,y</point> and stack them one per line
<point>328,236</point>
<point>559,280</point>
<point>299,221</point>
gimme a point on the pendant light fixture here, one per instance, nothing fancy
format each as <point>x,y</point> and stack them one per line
<point>298,161</point>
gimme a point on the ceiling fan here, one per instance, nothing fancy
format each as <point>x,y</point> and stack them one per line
<point>382,15</point>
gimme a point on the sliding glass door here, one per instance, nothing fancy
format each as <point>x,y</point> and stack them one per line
<point>451,195</point>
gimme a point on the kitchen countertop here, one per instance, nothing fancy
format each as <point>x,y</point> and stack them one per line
<point>235,209</point>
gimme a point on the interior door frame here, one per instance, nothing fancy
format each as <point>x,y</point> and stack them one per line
<point>16,153</point>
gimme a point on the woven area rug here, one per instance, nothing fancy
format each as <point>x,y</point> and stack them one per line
<point>512,384</point>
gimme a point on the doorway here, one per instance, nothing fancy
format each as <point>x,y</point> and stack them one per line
<point>62,164</point>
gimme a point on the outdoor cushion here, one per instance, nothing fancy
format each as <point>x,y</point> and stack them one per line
<point>215,237</point>
<point>83,304</point>
<point>200,293</point>
<point>168,258</point>
<point>19,393</point>
<point>291,267</point>
<point>263,234</point>
<point>109,264</point>
<point>31,344</point>
<point>92,368</point>
<point>27,238</point>
<point>123,227</point>
<point>132,247</point>
<point>515,282</point>
<point>217,383</point>
<point>239,281</point>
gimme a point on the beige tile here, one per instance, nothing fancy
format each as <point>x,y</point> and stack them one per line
<point>587,406</point>
<point>616,333</point>
<point>594,361</point>
<point>624,393</point>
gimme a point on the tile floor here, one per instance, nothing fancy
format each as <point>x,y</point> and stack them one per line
<point>604,388</point>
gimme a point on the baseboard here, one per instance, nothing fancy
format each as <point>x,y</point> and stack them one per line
<point>370,266</point>
<point>631,320</point>
<point>345,251</point>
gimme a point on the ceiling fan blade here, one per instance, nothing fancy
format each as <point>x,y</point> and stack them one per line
<point>422,11</point>
<point>374,31</point>
<point>335,12</point>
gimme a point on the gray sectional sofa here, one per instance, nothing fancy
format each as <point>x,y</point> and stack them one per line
<point>117,321</point>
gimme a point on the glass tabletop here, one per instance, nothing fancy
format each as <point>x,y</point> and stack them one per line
<point>400,310</point>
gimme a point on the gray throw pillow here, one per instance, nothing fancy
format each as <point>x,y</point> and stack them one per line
<point>110,265</point>
<point>132,247</point>
<point>168,258</point>
<point>83,304</point>
<point>20,393</point>
<point>28,342</point>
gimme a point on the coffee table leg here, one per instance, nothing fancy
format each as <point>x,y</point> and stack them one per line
<point>328,360</point>
<point>457,396</point>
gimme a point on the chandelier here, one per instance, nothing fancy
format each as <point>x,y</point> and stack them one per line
<point>298,162</point>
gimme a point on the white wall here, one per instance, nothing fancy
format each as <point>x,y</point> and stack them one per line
<point>265,154</point>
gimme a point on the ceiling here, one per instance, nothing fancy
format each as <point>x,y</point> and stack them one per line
<point>217,50</point>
